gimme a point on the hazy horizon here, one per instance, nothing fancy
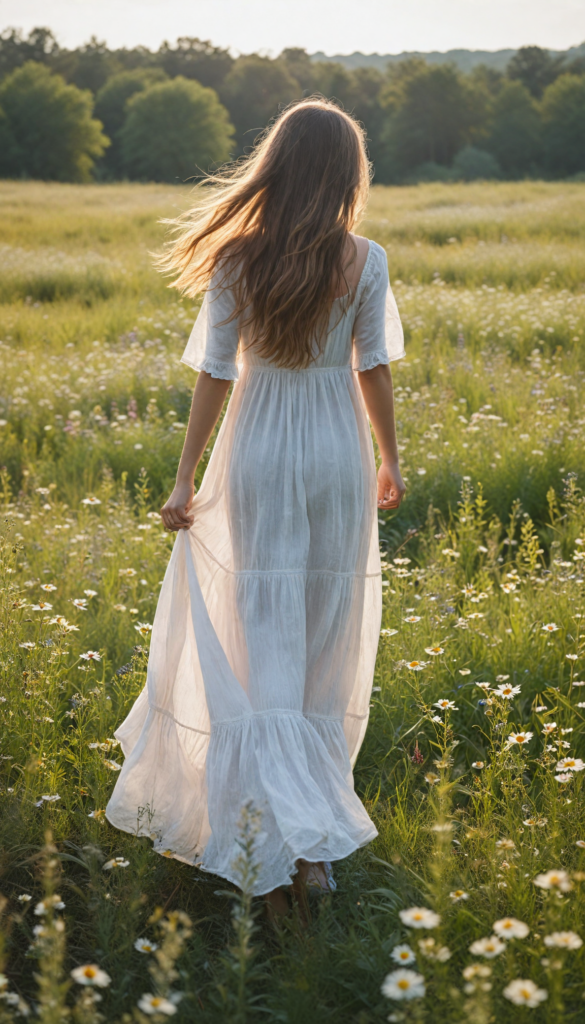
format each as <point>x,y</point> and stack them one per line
<point>330,26</point>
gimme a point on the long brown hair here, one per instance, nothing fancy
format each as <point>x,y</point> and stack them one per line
<point>278,224</point>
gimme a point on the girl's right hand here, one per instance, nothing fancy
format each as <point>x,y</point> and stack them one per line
<point>175,512</point>
<point>391,486</point>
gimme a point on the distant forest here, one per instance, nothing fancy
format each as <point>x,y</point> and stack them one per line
<point>93,113</point>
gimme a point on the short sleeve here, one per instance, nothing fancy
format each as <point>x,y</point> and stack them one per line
<point>378,337</point>
<point>213,343</point>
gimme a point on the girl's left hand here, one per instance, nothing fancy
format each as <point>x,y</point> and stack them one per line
<point>175,512</point>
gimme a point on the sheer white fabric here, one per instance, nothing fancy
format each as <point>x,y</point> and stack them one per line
<point>265,636</point>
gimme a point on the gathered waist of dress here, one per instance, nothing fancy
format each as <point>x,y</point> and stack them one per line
<point>266,368</point>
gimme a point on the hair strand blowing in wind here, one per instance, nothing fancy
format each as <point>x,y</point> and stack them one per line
<point>276,225</point>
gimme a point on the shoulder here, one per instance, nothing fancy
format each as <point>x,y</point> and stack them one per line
<point>375,270</point>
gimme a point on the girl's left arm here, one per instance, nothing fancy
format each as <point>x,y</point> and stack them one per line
<point>208,398</point>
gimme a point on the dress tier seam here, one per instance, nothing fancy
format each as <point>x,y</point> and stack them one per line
<point>272,712</point>
<point>285,572</point>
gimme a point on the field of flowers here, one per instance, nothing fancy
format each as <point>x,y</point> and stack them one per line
<point>469,907</point>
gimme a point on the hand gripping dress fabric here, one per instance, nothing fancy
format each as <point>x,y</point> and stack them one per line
<point>265,636</point>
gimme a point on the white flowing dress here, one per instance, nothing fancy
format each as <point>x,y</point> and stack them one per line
<point>265,636</point>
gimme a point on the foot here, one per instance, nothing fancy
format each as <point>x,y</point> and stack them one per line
<point>316,876</point>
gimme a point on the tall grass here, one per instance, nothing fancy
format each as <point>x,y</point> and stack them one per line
<point>483,584</point>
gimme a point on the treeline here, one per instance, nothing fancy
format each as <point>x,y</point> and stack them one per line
<point>174,113</point>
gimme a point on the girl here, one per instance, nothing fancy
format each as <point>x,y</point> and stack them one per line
<point>265,636</point>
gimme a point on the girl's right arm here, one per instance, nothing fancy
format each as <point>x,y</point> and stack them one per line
<point>378,394</point>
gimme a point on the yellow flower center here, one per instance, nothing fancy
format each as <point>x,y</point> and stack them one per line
<point>403,984</point>
<point>90,972</point>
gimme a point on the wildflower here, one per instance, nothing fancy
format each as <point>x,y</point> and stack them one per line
<point>450,553</point>
<point>42,606</point>
<point>388,632</point>
<point>417,666</point>
<point>119,607</point>
<point>580,843</point>
<point>48,587</point>
<point>510,927</point>
<point>443,826</point>
<point>475,615</point>
<point>412,618</point>
<point>572,657</point>
<point>468,590</point>
<point>554,880</point>
<point>91,500</point>
<point>146,946</point>
<point>549,727</point>
<point>432,778</point>
<point>563,940</point>
<point>80,602</point>
<point>464,671</point>
<point>564,777</point>
<point>144,628</point>
<point>476,971</point>
<point>28,645</point>
<point>508,588</point>
<point>90,593</point>
<point>401,954</point>
<point>505,844</point>
<point>401,561</point>
<point>419,917</point>
<point>483,686</point>
<point>55,902</point>
<point>91,656</point>
<point>501,679</point>
<point>459,894</point>
<point>489,947</point>
<point>156,1004</point>
<point>116,862</point>
<point>478,764</point>
<point>91,974</point>
<point>127,572</point>
<point>520,738</point>
<point>550,627</point>
<point>429,948</point>
<point>112,765</point>
<point>50,798</point>
<point>434,650</point>
<point>570,764</point>
<point>403,984</point>
<point>445,705</point>
<point>506,691</point>
<point>98,815</point>
<point>525,993</point>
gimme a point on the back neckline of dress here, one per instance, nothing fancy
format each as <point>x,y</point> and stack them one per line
<point>361,277</point>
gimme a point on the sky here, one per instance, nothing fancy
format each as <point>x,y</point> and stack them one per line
<point>332,26</point>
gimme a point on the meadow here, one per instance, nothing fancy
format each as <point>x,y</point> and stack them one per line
<point>473,763</point>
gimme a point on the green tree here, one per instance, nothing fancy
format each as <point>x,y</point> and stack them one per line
<point>514,137</point>
<point>55,136</point>
<point>89,66</point>
<point>15,50</point>
<point>173,131</point>
<point>535,68</point>
<point>253,92</point>
<point>111,108</point>
<point>563,114</point>
<point>195,58</point>
<point>431,113</point>
<point>473,164</point>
